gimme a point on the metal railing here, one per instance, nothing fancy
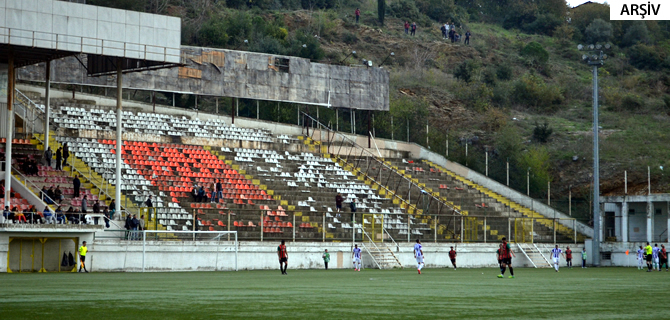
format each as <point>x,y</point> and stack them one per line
<point>34,188</point>
<point>83,44</point>
<point>412,183</point>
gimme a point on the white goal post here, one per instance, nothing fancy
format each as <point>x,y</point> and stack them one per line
<point>193,237</point>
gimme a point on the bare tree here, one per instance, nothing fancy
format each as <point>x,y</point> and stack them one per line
<point>419,56</point>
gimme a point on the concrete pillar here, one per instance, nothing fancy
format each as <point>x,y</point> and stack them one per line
<point>47,101</point>
<point>624,221</point>
<point>650,221</point>
<point>119,111</point>
<point>10,127</point>
<point>667,212</point>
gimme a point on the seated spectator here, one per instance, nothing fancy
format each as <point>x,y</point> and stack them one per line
<point>194,193</point>
<point>29,215</point>
<point>72,216</point>
<point>43,194</point>
<point>48,216</point>
<point>51,195</point>
<point>201,195</point>
<point>6,213</point>
<point>19,216</point>
<point>60,217</point>
<point>58,194</point>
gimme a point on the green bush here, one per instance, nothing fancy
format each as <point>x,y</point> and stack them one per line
<point>349,37</point>
<point>542,132</point>
<point>489,76</point>
<point>531,91</point>
<point>647,57</point>
<point>543,24</point>
<point>598,31</point>
<point>536,53</point>
<point>406,10</point>
<point>666,100</point>
<point>637,33</point>
<point>632,102</point>
<point>504,72</point>
<point>466,70</point>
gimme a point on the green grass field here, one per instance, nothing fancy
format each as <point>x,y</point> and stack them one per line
<point>606,293</point>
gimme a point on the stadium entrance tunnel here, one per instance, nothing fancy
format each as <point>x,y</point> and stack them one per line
<point>41,254</point>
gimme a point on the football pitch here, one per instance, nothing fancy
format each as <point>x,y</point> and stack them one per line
<point>604,293</point>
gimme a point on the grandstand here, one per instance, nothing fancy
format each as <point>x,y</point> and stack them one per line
<point>271,192</point>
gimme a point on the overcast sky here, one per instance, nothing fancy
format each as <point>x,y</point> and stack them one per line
<point>574,3</point>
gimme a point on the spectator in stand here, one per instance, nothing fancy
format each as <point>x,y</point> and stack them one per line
<point>358,14</point>
<point>52,195</point>
<point>58,195</point>
<point>141,220</point>
<point>212,188</point>
<point>48,216</point>
<point>129,226</point>
<point>413,28</point>
<point>59,158</point>
<point>72,216</point>
<point>406,27</point>
<point>338,203</point>
<point>106,215</point>
<point>19,216</point>
<point>29,215</point>
<point>194,193</point>
<point>135,225</point>
<point>43,194</point>
<point>467,37</point>
<point>219,189</point>
<point>201,194</point>
<point>66,154</point>
<point>48,156</point>
<point>96,206</point>
<point>112,209</point>
<point>76,183</point>
<point>352,206</point>
<point>149,203</point>
<point>5,214</point>
<point>84,205</point>
<point>60,217</point>
<point>34,169</point>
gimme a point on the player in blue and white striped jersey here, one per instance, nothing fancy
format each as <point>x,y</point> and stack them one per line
<point>556,254</point>
<point>640,258</point>
<point>418,254</point>
<point>356,254</point>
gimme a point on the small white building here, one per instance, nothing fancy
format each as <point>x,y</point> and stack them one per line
<point>636,218</point>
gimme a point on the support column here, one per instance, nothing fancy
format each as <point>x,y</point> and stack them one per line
<point>650,221</point>
<point>667,212</point>
<point>47,100</point>
<point>232,112</point>
<point>10,126</point>
<point>119,124</point>
<point>624,221</point>
<point>369,129</point>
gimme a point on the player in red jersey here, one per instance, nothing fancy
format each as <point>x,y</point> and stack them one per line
<point>506,254</point>
<point>452,257</point>
<point>568,257</point>
<point>283,257</point>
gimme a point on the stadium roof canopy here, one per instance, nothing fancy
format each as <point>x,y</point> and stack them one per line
<point>36,31</point>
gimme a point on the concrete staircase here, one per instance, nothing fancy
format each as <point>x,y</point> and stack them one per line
<point>534,255</point>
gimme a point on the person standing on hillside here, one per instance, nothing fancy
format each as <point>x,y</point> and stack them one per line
<point>406,27</point>
<point>59,159</point>
<point>283,257</point>
<point>358,14</point>
<point>76,183</point>
<point>413,28</point>
<point>326,258</point>
<point>83,250</point>
<point>467,37</point>
<point>443,28</point>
